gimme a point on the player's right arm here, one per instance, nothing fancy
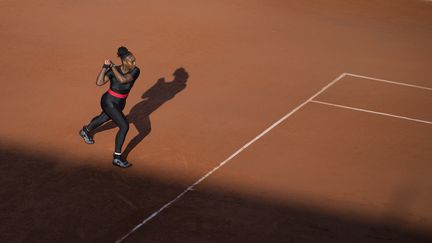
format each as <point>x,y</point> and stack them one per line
<point>102,78</point>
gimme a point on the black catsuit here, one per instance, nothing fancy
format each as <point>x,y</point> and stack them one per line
<point>112,106</point>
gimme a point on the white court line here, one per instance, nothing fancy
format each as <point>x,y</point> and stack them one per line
<point>190,188</point>
<point>388,81</point>
<point>369,111</point>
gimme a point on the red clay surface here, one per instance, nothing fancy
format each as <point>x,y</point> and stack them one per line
<point>325,174</point>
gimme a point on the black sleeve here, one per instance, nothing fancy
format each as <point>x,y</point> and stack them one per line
<point>135,73</point>
<point>109,74</point>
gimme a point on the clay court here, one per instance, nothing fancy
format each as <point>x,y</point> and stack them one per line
<point>301,121</point>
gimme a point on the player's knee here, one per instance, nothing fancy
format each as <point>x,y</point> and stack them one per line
<point>124,126</point>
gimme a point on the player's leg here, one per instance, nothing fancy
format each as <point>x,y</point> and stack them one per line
<point>94,123</point>
<point>115,113</point>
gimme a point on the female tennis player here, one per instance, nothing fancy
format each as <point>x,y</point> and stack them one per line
<point>122,78</point>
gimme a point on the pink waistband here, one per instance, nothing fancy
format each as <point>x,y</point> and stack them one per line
<point>117,95</point>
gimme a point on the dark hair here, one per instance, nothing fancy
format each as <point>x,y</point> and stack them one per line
<point>123,52</point>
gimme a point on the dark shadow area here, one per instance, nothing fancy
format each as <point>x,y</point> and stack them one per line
<point>44,201</point>
<point>153,98</point>
<point>222,216</point>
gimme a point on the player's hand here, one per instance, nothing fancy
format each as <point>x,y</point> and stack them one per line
<point>111,63</point>
<point>107,64</point>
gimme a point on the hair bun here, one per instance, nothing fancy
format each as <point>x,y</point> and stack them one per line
<point>122,51</point>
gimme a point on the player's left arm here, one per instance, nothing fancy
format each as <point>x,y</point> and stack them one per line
<point>129,77</point>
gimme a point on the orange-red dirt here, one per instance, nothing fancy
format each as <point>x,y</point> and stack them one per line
<point>325,174</point>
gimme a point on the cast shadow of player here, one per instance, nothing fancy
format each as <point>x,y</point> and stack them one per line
<point>153,98</point>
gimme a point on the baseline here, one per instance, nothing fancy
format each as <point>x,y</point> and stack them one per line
<point>388,81</point>
<point>369,111</point>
